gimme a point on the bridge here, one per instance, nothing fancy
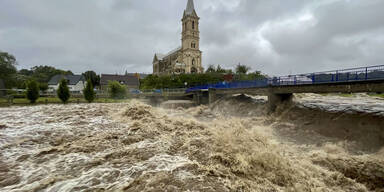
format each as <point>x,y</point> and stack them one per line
<point>281,89</point>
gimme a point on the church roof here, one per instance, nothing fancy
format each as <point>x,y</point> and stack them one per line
<point>162,56</point>
<point>173,51</point>
<point>190,8</point>
<point>159,56</point>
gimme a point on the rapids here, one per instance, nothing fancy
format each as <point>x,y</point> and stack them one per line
<point>320,143</point>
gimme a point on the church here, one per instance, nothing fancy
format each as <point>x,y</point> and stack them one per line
<point>185,59</point>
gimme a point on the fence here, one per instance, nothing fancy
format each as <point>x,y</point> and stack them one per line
<point>337,76</point>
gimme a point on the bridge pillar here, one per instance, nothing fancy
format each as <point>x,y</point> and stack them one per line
<point>275,100</point>
<point>197,97</point>
<point>212,96</point>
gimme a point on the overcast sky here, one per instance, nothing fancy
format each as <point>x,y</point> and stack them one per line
<point>274,36</point>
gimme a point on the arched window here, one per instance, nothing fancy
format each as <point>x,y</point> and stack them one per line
<point>193,62</point>
<point>193,70</point>
<point>193,24</point>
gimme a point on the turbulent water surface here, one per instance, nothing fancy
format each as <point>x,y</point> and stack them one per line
<point>318,144</point>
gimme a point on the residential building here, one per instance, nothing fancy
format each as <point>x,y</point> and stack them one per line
<point>130,81</point>
<point>76,83</point>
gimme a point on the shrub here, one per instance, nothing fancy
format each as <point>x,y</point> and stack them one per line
<point>116,90</point>
<point>32,91</point>
<point>63,91</point>
<point>43,87</point>
<point>89,93</point>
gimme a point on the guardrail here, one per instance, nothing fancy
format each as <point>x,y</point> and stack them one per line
<point>336,76</point>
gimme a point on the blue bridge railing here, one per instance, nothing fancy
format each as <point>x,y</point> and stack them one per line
<point>337,76</point>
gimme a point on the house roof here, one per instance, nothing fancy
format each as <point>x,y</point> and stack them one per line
<point>72,79</point>
<point>2,86</point>
<point>130,80</point>
<point>141,75</point>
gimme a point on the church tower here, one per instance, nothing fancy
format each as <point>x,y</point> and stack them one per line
<point>191,54</point>
<point>185,59</point>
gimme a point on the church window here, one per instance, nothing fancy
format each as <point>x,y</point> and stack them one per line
<point>193,24</point>
<point>193,70</point>
<point>193,61</point>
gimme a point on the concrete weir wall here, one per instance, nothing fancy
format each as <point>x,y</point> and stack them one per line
<point>275,100</point>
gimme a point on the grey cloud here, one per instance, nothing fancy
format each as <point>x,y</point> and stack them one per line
<point>268,35</point>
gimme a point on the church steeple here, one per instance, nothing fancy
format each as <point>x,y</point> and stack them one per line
<point>190,8</point>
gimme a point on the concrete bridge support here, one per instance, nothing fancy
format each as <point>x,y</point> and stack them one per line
<point>212,96</point>
<point>275,100</point>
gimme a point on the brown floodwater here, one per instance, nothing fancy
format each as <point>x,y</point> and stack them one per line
<point>318,144</point>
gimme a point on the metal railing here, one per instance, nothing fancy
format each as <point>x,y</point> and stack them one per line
<point>336,76</point>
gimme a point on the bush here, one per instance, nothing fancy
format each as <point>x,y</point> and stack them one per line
<point>43,87</point>
<point>32,91</point>
<point>116,90</point>
<point>63,91</point>
<point>89,93</point>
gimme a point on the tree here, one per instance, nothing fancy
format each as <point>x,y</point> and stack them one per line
<point>63,91</point>
<point>116,90</point>
<point>43,87</point>
<point>89,93</point>
<point>242,69</point>
<point>221,70</point>
<point>32,91</point>
<point>7,68</point>
<point>44,73</point>
<point>95,79</point>
<point>210,69</point>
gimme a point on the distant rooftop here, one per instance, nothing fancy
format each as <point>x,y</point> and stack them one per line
<point>72,79</point>
<point>130,80</point>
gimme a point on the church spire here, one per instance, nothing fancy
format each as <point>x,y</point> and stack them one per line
<point>190,8</point>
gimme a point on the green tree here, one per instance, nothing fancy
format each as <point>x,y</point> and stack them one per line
<point>63,91</point>
<point>8,69</point>
<point>221,70</point>
<point>32,91</point>
<point>43,87</point>
<point>89,93</point>
<point>44,73</point>
<point>95,79</point>
<point>242,69</point>
<point>210,69</point>
<point>116,90</point>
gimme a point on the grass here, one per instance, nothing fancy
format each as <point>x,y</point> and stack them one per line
<point>337,94</point>
<point>377,95</point>
<point>55,100</point>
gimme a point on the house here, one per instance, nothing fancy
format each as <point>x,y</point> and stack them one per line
<point>76,83</point>
<point>2,88</point>
<point>130,81</point>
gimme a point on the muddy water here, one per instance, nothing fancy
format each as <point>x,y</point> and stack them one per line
<point>232,146</point>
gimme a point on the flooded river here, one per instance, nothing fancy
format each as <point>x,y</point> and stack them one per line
<point>321,143</point>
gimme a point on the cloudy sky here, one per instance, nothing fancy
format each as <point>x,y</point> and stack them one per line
<point>274,36</point>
